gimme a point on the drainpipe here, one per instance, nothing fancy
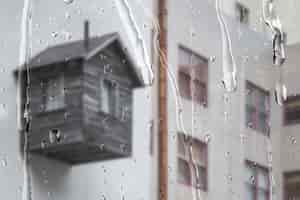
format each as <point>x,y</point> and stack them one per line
<point>162,99</point>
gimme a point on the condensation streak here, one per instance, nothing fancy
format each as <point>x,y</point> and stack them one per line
<point>228,61</point>
<point>132,24</point>
<point>23,82</point>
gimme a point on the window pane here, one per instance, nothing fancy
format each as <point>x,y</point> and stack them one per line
<point>250,195</point>
<point>257,108</point>
<point>292,110</point>
<point>184,176</point>
<point>184,84</point>
<point>200,95</point>
<point>263,179</point>
<point>108,97</point>
<point>201,182</point>
<point>54,94</point>
<point>249,174</point>
<point>262,194</point>
<point>199,152</point>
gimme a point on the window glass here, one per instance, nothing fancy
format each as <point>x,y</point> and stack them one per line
<point>256,182</point>
<point>194,160</point>
<point>108,97</point>
<point>54,93</point>
<point>192,76</point>
<point>257,108</point>
<point>292,110</point>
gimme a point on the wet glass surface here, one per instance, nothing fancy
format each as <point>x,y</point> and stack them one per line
<point>149,99</point>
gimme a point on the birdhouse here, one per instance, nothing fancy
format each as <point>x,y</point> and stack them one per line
<point>80,100</point>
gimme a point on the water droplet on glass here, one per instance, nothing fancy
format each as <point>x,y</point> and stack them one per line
<point>103,197</point>
<point>54,34</point>
<point>280,93</point>
<point>229,177</point>
<point>101,147</point>
<point>212,59</point>
<point>67,15</point>
<point>293,140</point>
<point>207,138</point>
<point>43,144</point>
<point>3,162</point>
<point>68,1</point>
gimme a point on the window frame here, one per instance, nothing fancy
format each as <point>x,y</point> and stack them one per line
<point>60,77</point>
<point>115,95</point>
<point>257,167</point>
<point>284,111</point>
<point>191,71</point>
<point>186,158</point>
<point>258,112</point>
<point>286,176</point>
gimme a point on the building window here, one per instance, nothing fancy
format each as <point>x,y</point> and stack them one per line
<point>242,13</point>
<point>292,110</point>
<point>108,97</point>
<point>193,174</point>
<point>192,76</point>
<point>292,185</point>
<point>53,93</point>
<point>257,108</point>
<point>257,182</point>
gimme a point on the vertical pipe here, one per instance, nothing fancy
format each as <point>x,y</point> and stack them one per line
<point>163,116</point>
<point>86,34</point>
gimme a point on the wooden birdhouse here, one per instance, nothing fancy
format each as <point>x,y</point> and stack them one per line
<point>81,96</point>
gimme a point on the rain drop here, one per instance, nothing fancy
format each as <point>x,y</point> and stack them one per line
<point>3,162</point>
<point>280,93</point>
<point>207,138</point>
<point>54,34</point>
<point>67,15</point>
<point>212,59</point>
<point>68,1</point>
<point>293,140</point>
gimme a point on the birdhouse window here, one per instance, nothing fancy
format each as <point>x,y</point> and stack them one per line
<point>108,97</point>
<point>53,89</point>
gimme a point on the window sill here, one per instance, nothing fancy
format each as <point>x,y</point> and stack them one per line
<point>258,132</point>
<point>188,99</point>
<point>191,186</point>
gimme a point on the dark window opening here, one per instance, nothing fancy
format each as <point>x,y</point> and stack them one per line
<point>292,110</point>
<point>192,76</point>
<point>242,13</point>
<point>257,108</point>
